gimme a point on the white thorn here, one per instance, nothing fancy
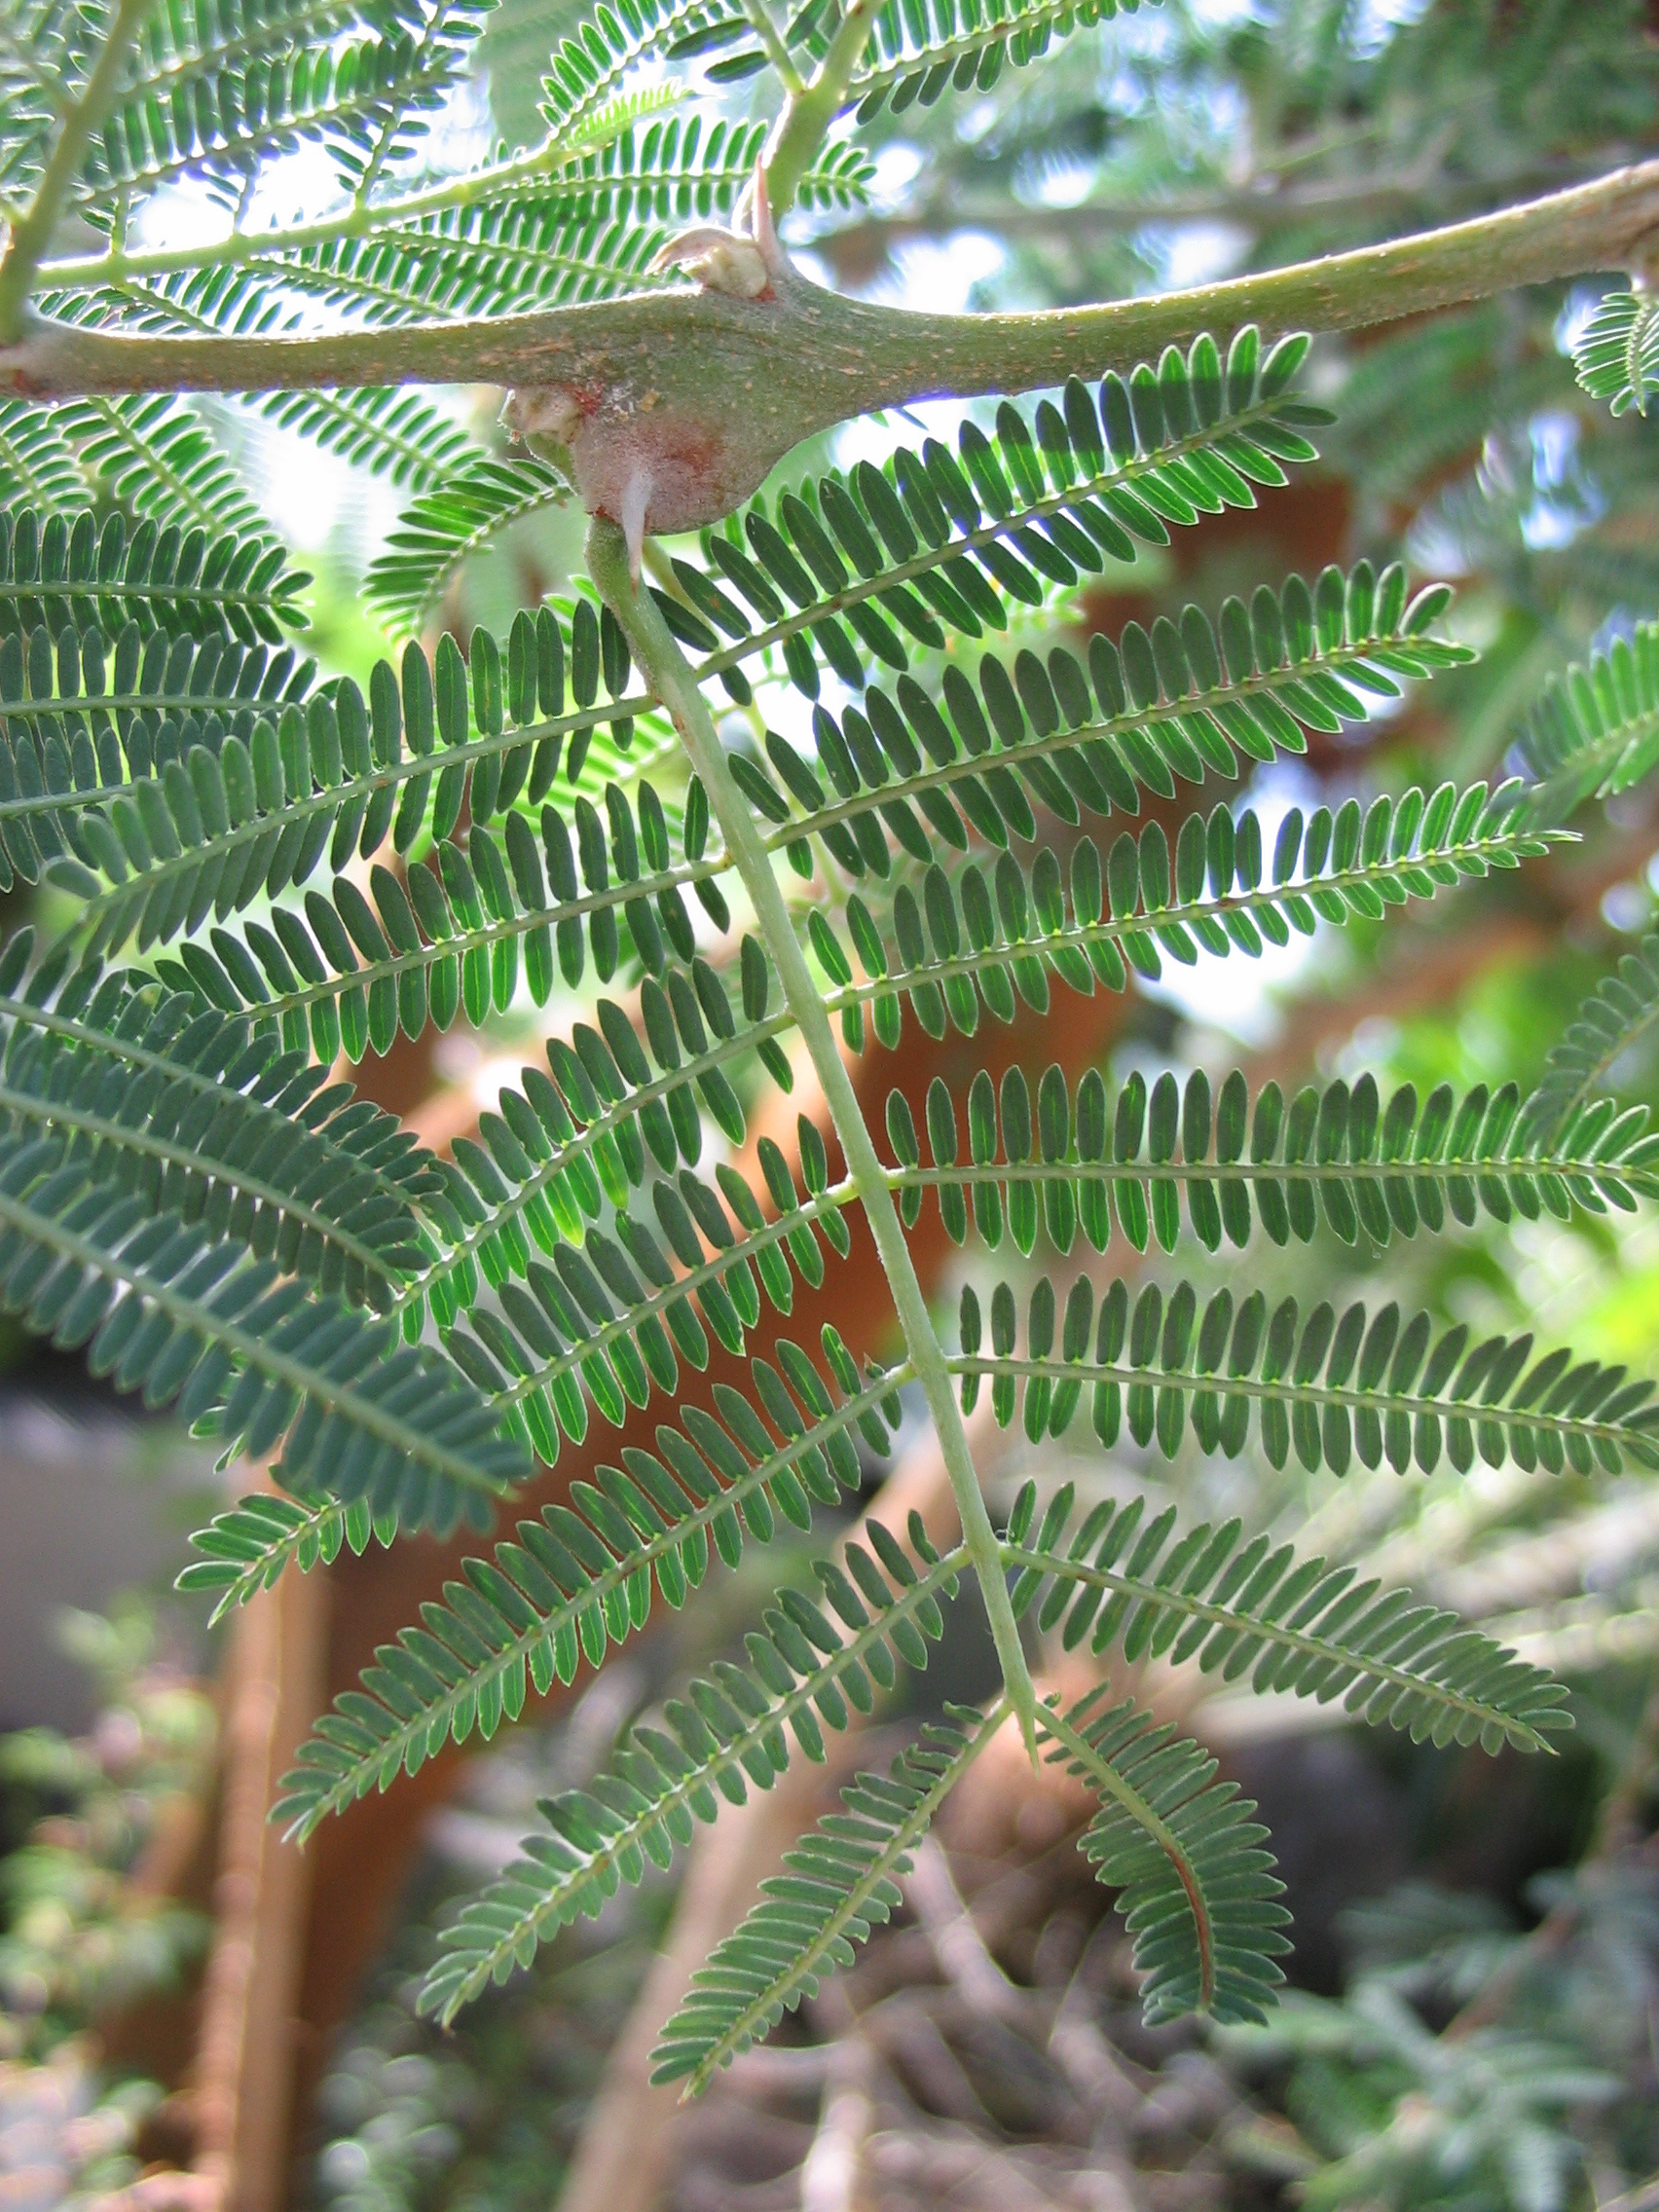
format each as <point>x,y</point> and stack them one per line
<point>542,411</point>
<point>742,262</point>
<point>689,245</point>
<point>636,499</point>
<point>721,260</point>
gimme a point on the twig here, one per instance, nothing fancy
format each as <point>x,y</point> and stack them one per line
<point>515,175</point>
<point>801,127</point>
<point>957,1943</point>
<point>830,2176</point>
<point>1644,2197</point>
<point>777,53</point>
<point>1264,205</point>
<point>32,235</point>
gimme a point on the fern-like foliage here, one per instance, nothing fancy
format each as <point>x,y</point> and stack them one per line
<point>256,1360</point>
<point>99,733</point>
<point>89,738</point>
<point>196,1115</point>
<point>937,542</point>
<point>1616,1016</point>
<point>622,1314</point>
<point>677,170</point>
<point>1330,1387</point>
<point>228,870</point>
<point>1332,1155</point>
<point>712,1484</point>
<point>854,566</point>
<point>839,1882</point>
<point>59,570</point>
<point>245,1548</point>
<point>212,96</point>
<point>1186,1856</point>
<point>1153,710</point>
<point>249,1547</point>
<point>472,260</point>
<point>437,942</point>
<point>26,104</point>
<point>915,54</point>
<point>1616,353</point>
<point>585,72</point>
<point>390,432</point>
<point>448,937</point>
<point>1181,1848</point>
<point>981,938</point>
<point>814,1663</point>
<point>221,90</point>
<point>1297,1627</point>
<point>1594,731</point>
<point>38,468</point>
<point>157,457</point>
<point>438,533</point>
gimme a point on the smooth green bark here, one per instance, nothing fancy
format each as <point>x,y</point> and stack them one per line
<point>807,359</point>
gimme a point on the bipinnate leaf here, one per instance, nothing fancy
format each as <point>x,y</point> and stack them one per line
<point>568,1586</point>
<point>1331,1156</point>
<point>256,1359</point>
<point>1567,1109</point>
<point>839,1880</point>
<point>817,1663</point>
<point>1594,731</point>
<point>198,1114</point>
<point>1616,353</point>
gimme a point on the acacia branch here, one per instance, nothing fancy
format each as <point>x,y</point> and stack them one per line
<point>750,378</point>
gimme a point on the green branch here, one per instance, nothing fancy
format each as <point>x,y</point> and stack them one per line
<point>492,182</point>
<point>665,668</point>
<point>777,46</point>
<point>760,375</point>
<point>32,234</point>
<point>813,108</point>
